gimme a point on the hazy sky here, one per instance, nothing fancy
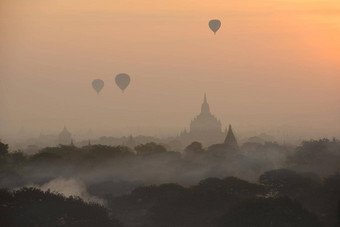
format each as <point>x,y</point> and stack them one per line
<point>274,64</point>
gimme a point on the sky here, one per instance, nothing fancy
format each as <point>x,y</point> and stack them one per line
<point>274,65</point>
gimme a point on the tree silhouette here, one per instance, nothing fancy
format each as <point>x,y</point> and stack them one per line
<point>261,212</point>
<point>33,207</point>
<point>3,149</point>
<point>149,149</point>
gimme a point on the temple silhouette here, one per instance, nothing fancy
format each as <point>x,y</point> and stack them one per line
<point>65,137</point>
<point>207,129</point>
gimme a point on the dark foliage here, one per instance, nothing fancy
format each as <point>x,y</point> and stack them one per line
<point>33,207</point>
<point>270,212</point>
<point>149,149</point>
<point>321,156</point>
<point>3,149</point>
<point>288,182</point>
<point>195,148</point>
<point>106,171</point>
<point>174,205</point>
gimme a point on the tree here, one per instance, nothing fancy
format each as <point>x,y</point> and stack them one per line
<point>193,150</point>
<point>33,207</point>
<point>271,212</point>
<point>338,213</point>
<point>108,152</point>
<point>3,149</point>
<point>194,147</point>
<point>329,198</point>
<point>150,148</point>
<point>287,182</point>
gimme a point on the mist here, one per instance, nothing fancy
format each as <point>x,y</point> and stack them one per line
<point>170,113</point>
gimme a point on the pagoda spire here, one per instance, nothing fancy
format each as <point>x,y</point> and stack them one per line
<point>230,139</point>
<point>205,109</point>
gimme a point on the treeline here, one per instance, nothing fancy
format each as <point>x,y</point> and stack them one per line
<point>295,186</point>
<point>153,161</point>
<point>323,151</point>
<point>281,198</point>
<point>33,207</point>
<point>309,150</point>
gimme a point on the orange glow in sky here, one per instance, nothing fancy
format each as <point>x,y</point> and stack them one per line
<point>271,61</point>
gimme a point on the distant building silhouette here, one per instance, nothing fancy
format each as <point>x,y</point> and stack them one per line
<point>230,140</point>
<point>65,137</point>
<point>130,142</point>
<point>205,127</point>
<point>228,147</point>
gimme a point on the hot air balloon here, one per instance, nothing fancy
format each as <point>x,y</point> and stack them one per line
<point>122,81</point>
<point>214,25</point>
<point>97,85</point>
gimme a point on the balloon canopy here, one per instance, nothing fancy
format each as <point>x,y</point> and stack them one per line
<point>122,81</point>
<point>214,25</point>
<point>97,85</point>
